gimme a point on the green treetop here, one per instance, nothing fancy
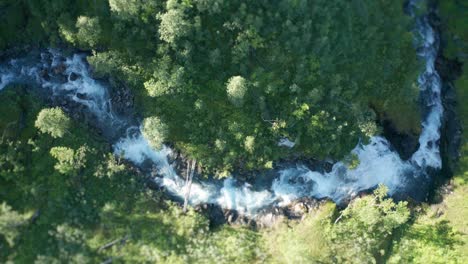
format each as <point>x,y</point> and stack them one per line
<point>155,131</point>
<point>53,121</point>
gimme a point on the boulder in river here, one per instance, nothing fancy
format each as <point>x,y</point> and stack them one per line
<point>44,74</point>
<point>60,69</point>
<point>73,76</point>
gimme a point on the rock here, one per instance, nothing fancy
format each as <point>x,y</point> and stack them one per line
<point>44,74</point>
<point>179,162</point>
<point>46,57</point>
<point>269,220</point>
<point>234,218</point>
<point>173,157</point>
<point>59,69</point>
<point>153,185</point>
<point>81,96</point>
<point>302,206</point>
<point>213,212</point>
<point>404,143</point>
<point>121,97</point>
<point>231,216</point>
<point>451,130</point>
<point>449,70</point>
<point>73,76</point>
<point>297,210</point>
<point>313,164</point>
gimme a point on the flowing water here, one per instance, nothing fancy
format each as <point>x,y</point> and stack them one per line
<point>379,163</point>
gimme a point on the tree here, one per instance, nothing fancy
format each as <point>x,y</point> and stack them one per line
<point>301,242</point>
<point>12,159</point>
<point>89,30</point>
<point>69,161</point>
<point>360,234</point>
<point>126,9</point>
<point>155,131</point>
<point>174,24</point>
<point>167,80</point>
<point>109,167</point>
<point>427,241</point>
<point>10,222</point>
<point>363,230</point>
<point>249,143</point>
<point>53,121</point>
<point>236,89</point>
<point>71,243</point>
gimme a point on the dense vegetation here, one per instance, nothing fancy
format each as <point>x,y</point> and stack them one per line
<point>455,33</point>
<point>223,81</point>
<point>229,79</point>
<point>84,205</point>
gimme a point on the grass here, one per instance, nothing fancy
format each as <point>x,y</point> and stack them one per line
<point>457,213</point>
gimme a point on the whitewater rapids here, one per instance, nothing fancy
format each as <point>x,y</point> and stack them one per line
<point>379,163</point>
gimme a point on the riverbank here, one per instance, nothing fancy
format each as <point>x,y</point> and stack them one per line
<point>454,28</point>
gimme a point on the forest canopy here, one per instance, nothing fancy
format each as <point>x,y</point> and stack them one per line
<point>223,81</point>
<point>230,79</point>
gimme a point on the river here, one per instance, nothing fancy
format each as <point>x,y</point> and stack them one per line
<point>379,163</point>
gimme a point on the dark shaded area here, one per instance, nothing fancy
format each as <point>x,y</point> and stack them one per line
<point>451,131</point>
<point>404,143</point>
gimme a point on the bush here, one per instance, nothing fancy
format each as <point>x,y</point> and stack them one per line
<point>53,121</point>
<point>155,131</point>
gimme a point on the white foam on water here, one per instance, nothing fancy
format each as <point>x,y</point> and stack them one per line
<point>137,149</point>
<point>5,79</point>
<point>378,163</point>
<point>428,154</point>
<point>83,89</point>
<point>243,198</point>
<point>285,142</point>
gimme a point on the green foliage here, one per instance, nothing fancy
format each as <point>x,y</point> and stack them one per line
<point>53,121</point>
<point>249,143</point>
<point>126,9</point>
<point>428,240</point>
<point>303,242</point>
<point>365,227</point>
<point>360,234</point>
<point>69,161</point>
<point>11,159</point>
<point>311,87</point>
<point>455,27</point>
<point>165,83</point>
<point>229,79</point>
<point>22,106</point>
<point>10,224</point>
<point>18,26</point>
<point>310,72</point>
<point>76,216</point>
<point>456,212</point>
<point>155,131</point>
<point>110,167</point>
<point>228,245</point>
<point>372,229</point>
<point>70,242</point>
<point>236,89</point>
<point>89,30</point>
<point>453,14</point>
<point>104,212</point>
<point>169,236</point>
<point>174,25</point>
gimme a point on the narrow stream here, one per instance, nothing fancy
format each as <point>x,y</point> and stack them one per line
<point>379,163</point>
